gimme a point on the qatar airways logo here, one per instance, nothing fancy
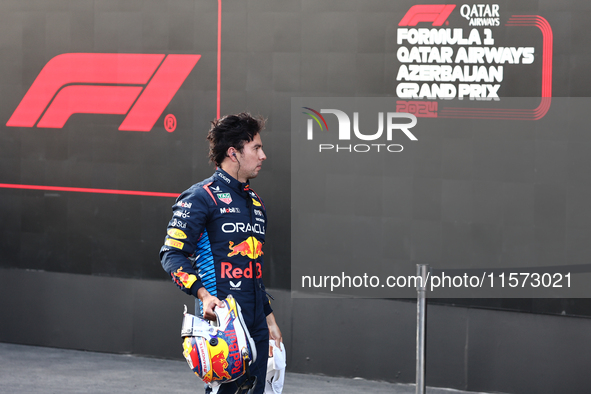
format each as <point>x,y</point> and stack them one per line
<point>395,122</point>
<point>137,85</point>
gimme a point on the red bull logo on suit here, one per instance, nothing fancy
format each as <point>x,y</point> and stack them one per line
<point>250,247</point>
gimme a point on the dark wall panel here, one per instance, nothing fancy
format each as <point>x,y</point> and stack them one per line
<point>90,312</point>
<point>494,362</point>
<point>271,52</point>
<point>468,349</point>
<point>81,270</point>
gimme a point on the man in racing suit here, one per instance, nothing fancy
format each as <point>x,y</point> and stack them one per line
<point>214,242</point>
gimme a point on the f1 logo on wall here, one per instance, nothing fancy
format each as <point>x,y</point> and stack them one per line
<point>137,85</point>
<point>449,52</point>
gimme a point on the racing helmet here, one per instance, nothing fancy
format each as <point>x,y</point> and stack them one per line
<point>220,351</point>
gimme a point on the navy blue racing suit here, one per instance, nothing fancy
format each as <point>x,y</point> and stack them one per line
<point>215,240</point>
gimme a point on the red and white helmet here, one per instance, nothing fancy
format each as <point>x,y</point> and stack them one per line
<point>221,351</point>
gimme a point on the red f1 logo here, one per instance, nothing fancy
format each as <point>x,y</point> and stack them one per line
<point>436,13</point>
<point>83,83</point>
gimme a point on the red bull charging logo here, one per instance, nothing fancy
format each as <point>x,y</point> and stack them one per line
<point>250,247</point>
<point>218,366</point>
<point>183,278</point>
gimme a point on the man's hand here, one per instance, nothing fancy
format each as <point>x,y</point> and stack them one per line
<point>274,331</point>
<point>209,303</point>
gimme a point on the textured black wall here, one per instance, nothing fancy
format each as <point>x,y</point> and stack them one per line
<point>270,52</point>
<point>104,246</point>
<point>468,349</point>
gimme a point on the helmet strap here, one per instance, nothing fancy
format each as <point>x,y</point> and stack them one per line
<point>251,380</point>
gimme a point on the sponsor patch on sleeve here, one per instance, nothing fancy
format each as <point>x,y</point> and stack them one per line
<point>176,233</point>
<point>174,243</point>
<point>185,278</point>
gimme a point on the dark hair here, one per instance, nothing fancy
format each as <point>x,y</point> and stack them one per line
<point>232,131</point>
